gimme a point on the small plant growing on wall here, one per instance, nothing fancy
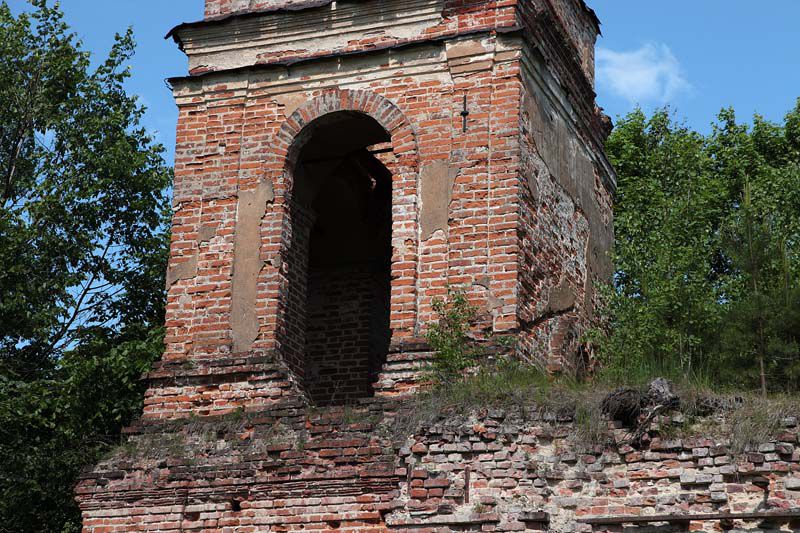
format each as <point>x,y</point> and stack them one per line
<point>449,336</point>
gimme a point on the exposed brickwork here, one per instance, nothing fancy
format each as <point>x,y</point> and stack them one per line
<point>295,314</point>
<point>481,116</point>
<point>564,222</point>
<point>345,348</point>
<point>293,469</point>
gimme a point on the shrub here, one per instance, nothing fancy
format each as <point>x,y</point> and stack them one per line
<point>449,337</point>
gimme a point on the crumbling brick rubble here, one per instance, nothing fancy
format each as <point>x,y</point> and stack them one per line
<point>373,467</point>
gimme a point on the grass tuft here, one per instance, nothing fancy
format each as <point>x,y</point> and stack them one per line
<point>758,420</point>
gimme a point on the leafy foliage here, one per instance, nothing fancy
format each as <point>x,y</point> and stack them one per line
<point>449,336</point>
<point>83,207</point>
<point>707,235</point>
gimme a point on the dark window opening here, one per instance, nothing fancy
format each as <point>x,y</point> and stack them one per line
<point>341,258</point>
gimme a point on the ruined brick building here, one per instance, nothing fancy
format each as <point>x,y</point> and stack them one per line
<point>339,164</point>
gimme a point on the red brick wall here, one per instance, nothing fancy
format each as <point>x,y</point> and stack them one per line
<point>295,315</point>
<point>477,249</point>
<point>347,335</point>
<point>240,132</point>
<point>346,470</point>
<point>482,247</point>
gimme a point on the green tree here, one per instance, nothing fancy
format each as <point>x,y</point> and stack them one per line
<point>761,320</point>
<point>83,206</point>
<point>761,234</point>
<point>667,215</point>
<point>689,282</point>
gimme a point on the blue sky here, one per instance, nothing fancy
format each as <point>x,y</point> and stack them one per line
<point>96,22</point>
<point>696,56</point>
<point>699,56</point>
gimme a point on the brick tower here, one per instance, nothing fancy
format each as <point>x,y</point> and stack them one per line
<point>339,164</point>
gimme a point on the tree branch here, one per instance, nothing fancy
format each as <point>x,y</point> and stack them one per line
<point>25,125</point>
<point>77,310</point>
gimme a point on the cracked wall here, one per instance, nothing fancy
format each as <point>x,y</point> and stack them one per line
<point>565,225</point>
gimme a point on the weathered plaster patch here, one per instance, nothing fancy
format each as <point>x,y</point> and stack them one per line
<point>600,245</point>
<point>206,233</point>
<point>560,298</point>
<point>493,301</point>
<point>437,180</point>
<point>469,55</point>
<point>247,264</point>
<point>290,102</point>
<point>474,66</point>
<point>465,49</point>
<point>184,270</point>
<point>568,160</point>
<point>565,155</point>
<point>540,171</point>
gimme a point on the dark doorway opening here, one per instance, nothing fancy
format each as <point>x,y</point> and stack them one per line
<point>341,250</point>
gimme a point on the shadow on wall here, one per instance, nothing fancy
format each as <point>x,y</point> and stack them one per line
<point>340,258</point>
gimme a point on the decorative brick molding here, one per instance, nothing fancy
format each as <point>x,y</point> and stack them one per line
<point>299,125</point>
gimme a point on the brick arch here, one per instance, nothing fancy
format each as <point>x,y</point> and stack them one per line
<point>402,162</point>
<point>379,108</point>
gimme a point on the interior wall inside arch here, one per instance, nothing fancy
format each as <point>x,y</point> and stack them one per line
<point>341,257</point>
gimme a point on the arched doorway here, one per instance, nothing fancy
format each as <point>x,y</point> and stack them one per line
<point>341,256</point>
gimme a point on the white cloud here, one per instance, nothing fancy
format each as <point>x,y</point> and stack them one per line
<point>650,75</point>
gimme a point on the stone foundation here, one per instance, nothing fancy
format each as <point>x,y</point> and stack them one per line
<point>368,469</point>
